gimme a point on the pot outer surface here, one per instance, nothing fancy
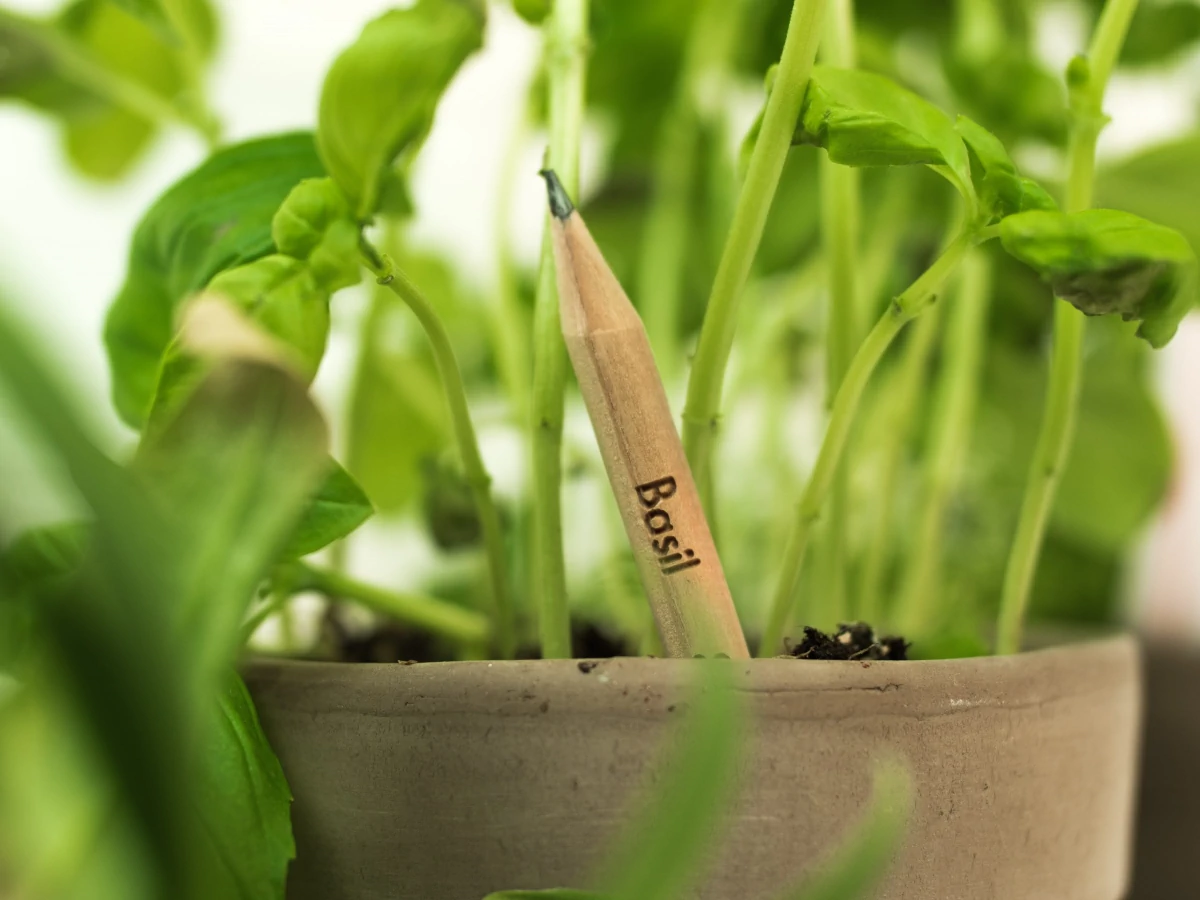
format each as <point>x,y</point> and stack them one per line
<point>447,781</point>
<point>1168,818</point>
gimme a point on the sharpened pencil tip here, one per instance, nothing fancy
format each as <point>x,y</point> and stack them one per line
<point>560,204</point>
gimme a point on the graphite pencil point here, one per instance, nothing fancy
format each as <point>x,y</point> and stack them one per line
<point>560,204</point>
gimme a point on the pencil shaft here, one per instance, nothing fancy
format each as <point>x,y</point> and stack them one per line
<point>644,458</point>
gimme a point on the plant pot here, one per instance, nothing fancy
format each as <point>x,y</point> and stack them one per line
<point>446,781</point>
<point>1168,819</point>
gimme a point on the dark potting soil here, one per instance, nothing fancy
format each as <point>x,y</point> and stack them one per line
<point>853,641</point>
<point>391,643</point>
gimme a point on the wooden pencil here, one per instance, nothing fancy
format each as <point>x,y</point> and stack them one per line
<point>643,455</point>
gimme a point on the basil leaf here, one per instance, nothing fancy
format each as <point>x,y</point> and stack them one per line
<point>243,805</point>
<point>216,217</point>
<point>30,69</point>
<point>108,628</point>
<point>314,225</point>
<point>1159,32</point>
<point>283,296</point>
<point>380,94</point>
<point>1001,190</point>
<point>1119,468</point>
<point>193,17</point>
<point>339,506</point>
<point>106,140</point>
<point>398,417</point>
<point>534,12</point>
<point>43,554</point>
<point>233,471</point>
<point>1148,184</point>
<point>178,547</point>
<point>1105,262</point>
<point>38,64</point>
<point>863,119</point>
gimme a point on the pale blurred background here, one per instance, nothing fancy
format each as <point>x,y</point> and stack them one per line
<point>63,239</point>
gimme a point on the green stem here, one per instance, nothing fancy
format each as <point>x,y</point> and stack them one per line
<point>1087,83</point>
<point>437,616</point>
<point>953,413</point>
<point>191,55</point>
<point>509,320</point>
<point>474,471</point>
<point>701,414</point>
<point>668,220</point>
<point>917,298</point>
<point>901,409</point>
<point>840,204</point>
<point>566,64</point>
<point>79,66</point>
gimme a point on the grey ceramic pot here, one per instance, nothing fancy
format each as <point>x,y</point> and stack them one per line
<point>447,781</point>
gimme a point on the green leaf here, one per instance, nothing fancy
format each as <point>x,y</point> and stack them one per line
<point>111,628</point>
<point>43,554</point>
<point>149,627</point>
<point>636,58</point>
<point>216,217</point>
<point>381,93</point>
<point>1119,468</point>
<point>1104,262</point>
<point>55,65</point>
<point>863,119</point>
<point>1001,190</point>
<point>282,295</point>
<point>194,18</point>
<point>1159,32</point>
<point>314,225</point>
<point>38,560</point>
<point>107,139</point>
<point>535,12</point>
<point>339,507</point>
<point>451,513</point>
<point>862,862</point>
<point>1148,185</point>
<point>244,805</point>
<point>233,471</point>
<point>30,69</point>
<point>398,416</point>
<point>662,853</point>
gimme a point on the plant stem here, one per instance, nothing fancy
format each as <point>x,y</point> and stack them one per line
<point>701,414</point>
<point>474,471</point>
<point>566,64</point>
<point>668,220</point>
<point>509,321</point>
<point>191,57</point>
<point>901,411</point>
<point>916,299</point>
<point>953,413</point>
<point>840,189</point>
<point>429,613</point>
<point>1087,86</point>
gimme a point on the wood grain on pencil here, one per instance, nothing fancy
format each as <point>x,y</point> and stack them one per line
<point>642,452</point>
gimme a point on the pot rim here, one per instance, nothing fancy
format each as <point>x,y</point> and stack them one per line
<point>1076,642</point>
